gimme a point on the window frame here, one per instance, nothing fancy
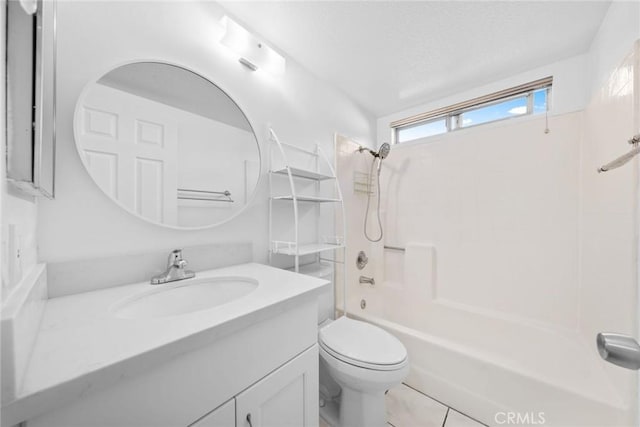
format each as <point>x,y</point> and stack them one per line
<point>452,114</point>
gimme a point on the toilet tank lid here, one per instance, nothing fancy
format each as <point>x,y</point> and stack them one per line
<point>362,341</point>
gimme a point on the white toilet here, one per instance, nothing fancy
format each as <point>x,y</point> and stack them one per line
<point>364,361</point>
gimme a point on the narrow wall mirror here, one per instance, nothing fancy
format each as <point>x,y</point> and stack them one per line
<point>30,103</point>
<point>167,144</point>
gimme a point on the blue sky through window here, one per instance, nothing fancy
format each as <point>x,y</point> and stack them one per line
<point>490,113</point>
<point>540,101</point>
<point>422,130</point>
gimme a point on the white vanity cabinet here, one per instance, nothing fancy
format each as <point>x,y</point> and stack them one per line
<point>266,367</point>
<point>287,397</point>
<point>223,416</point>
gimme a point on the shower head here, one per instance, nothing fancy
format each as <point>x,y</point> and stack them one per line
<point>384,150</point>
<point>382,153</point>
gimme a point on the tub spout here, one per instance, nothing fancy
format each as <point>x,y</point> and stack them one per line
<point>369,280</point>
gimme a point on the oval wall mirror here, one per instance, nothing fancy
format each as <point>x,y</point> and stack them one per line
<point>167,144</point>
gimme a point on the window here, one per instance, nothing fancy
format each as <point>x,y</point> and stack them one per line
<point>421,130</point>
<point>527,99</point>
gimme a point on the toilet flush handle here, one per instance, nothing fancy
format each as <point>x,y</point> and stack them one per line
<point>249,419</point>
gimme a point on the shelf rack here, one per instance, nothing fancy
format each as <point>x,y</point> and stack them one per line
<point>313,199</point>
<point>292,249</point>
<point>302,173</point>
<point>293,173</point>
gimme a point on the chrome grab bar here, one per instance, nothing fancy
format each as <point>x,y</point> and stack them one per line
<point>625,158</point>
<point>621,350</point>
<point>395,248</point>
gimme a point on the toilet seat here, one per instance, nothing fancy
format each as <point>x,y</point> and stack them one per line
<point>362,344</point>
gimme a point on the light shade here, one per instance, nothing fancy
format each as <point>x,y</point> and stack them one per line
<point>252,52</point>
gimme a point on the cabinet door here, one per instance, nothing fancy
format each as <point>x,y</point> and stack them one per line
<point>288,397</point>
<point>223,416</point>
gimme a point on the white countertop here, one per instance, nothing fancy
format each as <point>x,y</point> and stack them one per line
<point>81,345</point>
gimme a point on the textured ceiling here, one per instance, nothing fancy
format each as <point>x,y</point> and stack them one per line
<point>389,56</point>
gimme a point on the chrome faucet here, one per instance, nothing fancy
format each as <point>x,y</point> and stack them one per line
<point>369,280</point>
<point>175,270</point>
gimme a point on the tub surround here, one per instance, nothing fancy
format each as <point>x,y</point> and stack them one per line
<point>82,347</point>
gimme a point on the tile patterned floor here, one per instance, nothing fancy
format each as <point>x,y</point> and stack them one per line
<point>456,419</point>
<point>407,407</point>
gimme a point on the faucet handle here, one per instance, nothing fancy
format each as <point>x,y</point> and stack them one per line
<point>175,259</point>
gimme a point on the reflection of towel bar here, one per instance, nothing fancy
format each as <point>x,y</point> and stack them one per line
<point>395,248</point>
<point>216,196</point>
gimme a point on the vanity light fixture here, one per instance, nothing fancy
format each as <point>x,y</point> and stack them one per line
<point>253,53</point>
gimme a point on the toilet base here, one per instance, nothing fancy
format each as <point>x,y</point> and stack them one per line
<point>329,413</point>
<point>358,409</point>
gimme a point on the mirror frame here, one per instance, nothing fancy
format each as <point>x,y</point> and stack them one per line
<point>31,164</point>
<point>205,76</point>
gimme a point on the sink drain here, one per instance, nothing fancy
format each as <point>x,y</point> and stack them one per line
<point>363,304</point>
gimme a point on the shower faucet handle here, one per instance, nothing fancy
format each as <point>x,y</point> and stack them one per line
<point>362,260</point>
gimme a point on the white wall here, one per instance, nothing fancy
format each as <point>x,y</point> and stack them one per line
<point>16,209</point>
<point>93,37</point>
<point>568,94</point>
<point>619,30</point>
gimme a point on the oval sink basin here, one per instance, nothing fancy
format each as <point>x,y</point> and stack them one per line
<point>177,298</point>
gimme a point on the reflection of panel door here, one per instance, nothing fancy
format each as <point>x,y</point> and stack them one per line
<point>130,147</point>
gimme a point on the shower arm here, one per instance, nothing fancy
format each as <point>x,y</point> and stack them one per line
<point>625,158</point>
<point>363,148</point>
<point>382,152</point>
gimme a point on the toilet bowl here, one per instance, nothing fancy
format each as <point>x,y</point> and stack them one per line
<point>365,361</point>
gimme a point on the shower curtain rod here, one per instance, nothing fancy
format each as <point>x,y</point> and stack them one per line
<point>635,141</point>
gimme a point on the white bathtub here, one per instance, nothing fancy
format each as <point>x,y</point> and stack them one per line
<point>500,371</point>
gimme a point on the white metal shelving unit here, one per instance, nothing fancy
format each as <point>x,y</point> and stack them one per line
<point>295,175</point>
